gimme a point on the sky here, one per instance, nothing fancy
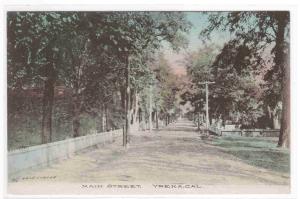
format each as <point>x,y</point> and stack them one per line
<point>199,22</point>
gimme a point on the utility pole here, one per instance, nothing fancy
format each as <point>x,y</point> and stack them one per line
<point>206,104</point>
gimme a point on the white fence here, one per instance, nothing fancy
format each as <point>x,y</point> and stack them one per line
<point>45,154</point>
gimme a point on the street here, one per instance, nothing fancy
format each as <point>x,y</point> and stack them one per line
<point>172,155</point>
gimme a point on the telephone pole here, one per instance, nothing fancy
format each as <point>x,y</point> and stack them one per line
<point>206,105</point>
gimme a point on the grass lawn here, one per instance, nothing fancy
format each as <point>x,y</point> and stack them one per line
<point>256,151</point>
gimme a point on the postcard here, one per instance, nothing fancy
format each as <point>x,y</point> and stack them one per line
<point>148,102</point>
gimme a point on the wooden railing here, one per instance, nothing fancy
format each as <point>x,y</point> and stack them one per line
<point>246,132</point>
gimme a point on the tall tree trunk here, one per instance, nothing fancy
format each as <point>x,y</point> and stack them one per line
<point>127,101</point>
<point>102,115</point>
<point>150,108</point>
<point>48,99</point>
<point>135,111</point>
<point>76,124</point>
<point>144,119</point>
<point>271,117</point>
<point>140,115</point>
<point>276,120</point>
<point>136,108</point>
<point>76,116</point>
<point>106,118</point>
<point>123,97</point>
<point>282,62</point>
<point>198,125</point>
<point>156,119</point>
<point>168,119</point>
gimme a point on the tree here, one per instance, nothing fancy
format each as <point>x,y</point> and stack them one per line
<point>237,91</point>
<point>92,66</point>
<point>95,54</point>
<point>135,32</point>
<point>36,35</point>
<point>167,89</point>
<point>199,69</point>
<point>259,30</point>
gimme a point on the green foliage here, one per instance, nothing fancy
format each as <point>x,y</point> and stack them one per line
<point>237,86</point>
<point>236,93</point>
<point>247,81</point>
<point>259,32</point>
<point>32,44</point>
<point>199,69</point>
<point>167,87</point>
<point>87,53</point>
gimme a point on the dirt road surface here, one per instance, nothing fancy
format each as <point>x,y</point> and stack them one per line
<point>173,160</point>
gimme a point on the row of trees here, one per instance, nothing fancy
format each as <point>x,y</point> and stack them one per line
<point>100,58</point>
<point>251,70</point>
